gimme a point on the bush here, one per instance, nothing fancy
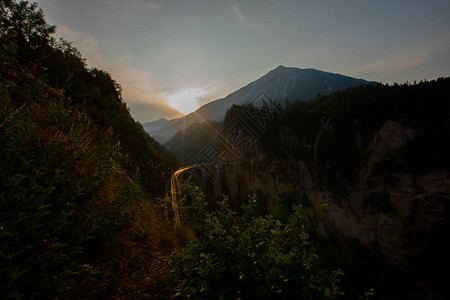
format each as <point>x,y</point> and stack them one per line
<point>60,196</point>
<point>65,184</point>
<point>244,256</point>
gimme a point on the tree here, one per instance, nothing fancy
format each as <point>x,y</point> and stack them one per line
<point>249,257</point>
<point>26,23</point>
<point>23,25</point>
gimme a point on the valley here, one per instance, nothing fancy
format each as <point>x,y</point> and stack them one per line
<point>299,184</point>
<point>377,162</point>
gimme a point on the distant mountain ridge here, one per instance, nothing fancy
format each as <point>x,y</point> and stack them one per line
<point>155,125</point>
<point>198,135</point>
<point>282,84</point>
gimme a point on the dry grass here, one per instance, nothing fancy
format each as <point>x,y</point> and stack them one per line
<point>140,252</point>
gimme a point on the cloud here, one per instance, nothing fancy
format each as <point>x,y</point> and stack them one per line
<point>394,63</point>
<point>186,100</point>
<point>130,11</point>
<point>217,89</point>
<point>419,52</point>
<point>140,90</point>
<point>84,42</point>
<point>238,13</point>
<point>138,85</point>
<point>134,4</point>
<point>146,112</point>
<point>146,95</point>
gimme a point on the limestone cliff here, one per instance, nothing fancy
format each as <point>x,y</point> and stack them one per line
<point>385,205</point>
<point>378,156</point>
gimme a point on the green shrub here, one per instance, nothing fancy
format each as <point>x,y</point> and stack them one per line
<point>60,196</point>
<point>249,257</point>
<point>65,188</point>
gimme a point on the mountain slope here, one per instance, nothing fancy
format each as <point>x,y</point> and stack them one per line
<point>71,158</point>
<point>187,143</point>
<point>376,156</point>
<point>155,125</point>
<point>282,84</point>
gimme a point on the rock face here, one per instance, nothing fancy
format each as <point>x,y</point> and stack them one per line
<point>402,213</point>
<point>378,157</point>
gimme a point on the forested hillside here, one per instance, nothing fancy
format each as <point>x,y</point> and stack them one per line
<point>56,63</point>
<point>378,156</point>
<point>76,169</point>
<point>188,143</point>
<point>355,181</point>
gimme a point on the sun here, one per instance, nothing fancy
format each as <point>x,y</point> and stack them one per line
<point>185,100</point>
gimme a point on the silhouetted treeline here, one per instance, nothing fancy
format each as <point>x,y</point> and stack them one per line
<point>71,160</point>
<point>61,66</point>
<point>423,106</point>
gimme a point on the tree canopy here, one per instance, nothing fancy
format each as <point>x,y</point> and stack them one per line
<point>27,38</point>
<point>71,160</point>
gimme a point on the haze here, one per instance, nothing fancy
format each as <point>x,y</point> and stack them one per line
<point>166,54</point>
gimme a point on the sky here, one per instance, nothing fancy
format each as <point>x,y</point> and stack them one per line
<point>172,56</point>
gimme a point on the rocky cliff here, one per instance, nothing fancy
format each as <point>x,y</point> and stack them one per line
<point>384,173</point>
<point>385,207</point>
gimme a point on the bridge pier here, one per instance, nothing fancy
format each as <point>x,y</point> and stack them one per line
<point>217,183</point>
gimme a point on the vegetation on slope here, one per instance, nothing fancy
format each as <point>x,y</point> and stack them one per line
<point>71,158</point>
<point>74,218</point>
<point>362,111</point>
<point>335,137</point>
<point>61,66</point>
<point>242,256</point>
<point>188,143</point>
<point>61,195</point>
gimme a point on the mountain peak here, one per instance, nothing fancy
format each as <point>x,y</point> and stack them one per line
<point>279,69</point>
<point>282,83</point>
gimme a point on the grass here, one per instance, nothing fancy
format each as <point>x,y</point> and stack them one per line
<point>139,254</point>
